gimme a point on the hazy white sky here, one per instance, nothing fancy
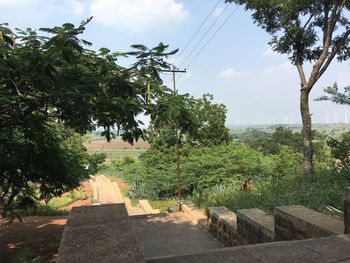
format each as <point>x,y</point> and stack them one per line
<point>237,66</point>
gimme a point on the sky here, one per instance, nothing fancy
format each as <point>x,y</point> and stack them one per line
<point>233,61</point>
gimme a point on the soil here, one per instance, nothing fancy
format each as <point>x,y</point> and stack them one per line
<point>104,145</point>
<point>122,184</point>
<point>89,195</point>
<point>37,238</point>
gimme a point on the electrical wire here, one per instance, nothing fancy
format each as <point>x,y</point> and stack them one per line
<point>204,35</point>
<point>197,31</point>
<point>211,38</point>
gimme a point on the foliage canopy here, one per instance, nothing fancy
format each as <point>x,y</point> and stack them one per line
<point>52,85</point>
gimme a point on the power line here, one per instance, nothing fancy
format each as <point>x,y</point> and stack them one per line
<point>199,28</point>
<point>205,34</point>
<point>206,43</point>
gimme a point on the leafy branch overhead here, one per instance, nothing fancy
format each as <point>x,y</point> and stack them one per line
<point>57,78</point>
<point>51,86</point>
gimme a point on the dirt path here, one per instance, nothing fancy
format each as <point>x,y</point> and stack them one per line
<point>36,239</point>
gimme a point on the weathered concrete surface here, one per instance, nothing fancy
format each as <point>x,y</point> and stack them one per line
<point>104,191</point>
<point>322,250</point>
<point>347,210</point>
<point>99,234</point>
<point>171,234</point>
<point>96,215</point>
<point>255,226</point>
<point>223,225</point>
<point>196,215</point>
<point>298,222</point>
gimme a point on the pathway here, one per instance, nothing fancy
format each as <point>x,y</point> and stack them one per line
<point>104,191</point>
<point>161,234</point>
<point>171,234</point>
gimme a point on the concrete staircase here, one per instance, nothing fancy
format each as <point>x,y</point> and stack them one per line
<point>107,192</point>
<point>107,233</point>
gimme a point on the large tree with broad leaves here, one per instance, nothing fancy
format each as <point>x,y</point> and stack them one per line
<point>52,83</point>
<point>308,31</point>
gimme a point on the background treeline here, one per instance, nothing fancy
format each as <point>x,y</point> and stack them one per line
<point>212,175</point>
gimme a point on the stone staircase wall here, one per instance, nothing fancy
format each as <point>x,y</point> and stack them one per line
<point>254,226</point>
<point>103,233</point>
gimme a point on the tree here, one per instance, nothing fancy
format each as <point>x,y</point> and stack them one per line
<point>201,122</point>
<point>307,31</point>
<point>211,119</point>
<point>39,162</point>
<point>53,85</point>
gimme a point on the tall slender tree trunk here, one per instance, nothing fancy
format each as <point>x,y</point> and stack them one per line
<point>306,119</point>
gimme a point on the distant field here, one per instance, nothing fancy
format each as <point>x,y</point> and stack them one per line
<point>117,149</point>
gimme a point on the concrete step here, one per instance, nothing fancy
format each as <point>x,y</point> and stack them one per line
<point>193,213</point>
<point>222,224</point>
<point>298,222</point>
<point>145,205</point>
<point>255,226</point>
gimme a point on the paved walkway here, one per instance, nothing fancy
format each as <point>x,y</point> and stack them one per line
<point>171,234</point>
<point>158,235</point>
<point>104,191</point>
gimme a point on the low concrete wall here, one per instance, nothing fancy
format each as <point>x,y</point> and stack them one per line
<point>222,224</point>
<point>255,226</point>
<point>347,210</point>
<point>298,222</point>
<point>99,234</point>
<point>322,250</point>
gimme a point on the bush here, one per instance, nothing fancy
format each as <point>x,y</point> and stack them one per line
<point>201,168</point>
<point>323,189</point>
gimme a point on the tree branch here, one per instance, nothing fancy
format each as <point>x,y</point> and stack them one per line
<point>333,54</point>
<point>327,37</point>
<point>15,85</point>
<point>301,73</point>
<point>308,21</point>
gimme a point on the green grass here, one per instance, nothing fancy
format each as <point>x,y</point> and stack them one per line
<point>315,193</point>
<point>43,210</point>
<point>59,202</point>
<point>162,205</point>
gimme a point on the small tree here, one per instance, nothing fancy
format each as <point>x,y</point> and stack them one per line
<point>201,121</point>
<point>307,31</point>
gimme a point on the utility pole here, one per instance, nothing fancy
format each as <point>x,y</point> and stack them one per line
<point>174,71</point>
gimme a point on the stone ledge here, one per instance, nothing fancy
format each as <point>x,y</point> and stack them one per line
<point>321,250</point>
<point>95,215</point>
<point>99,234</point>
<point>299,222</point>
<point>119,193</point>
<point>255,226</point>
<point>223,225</point>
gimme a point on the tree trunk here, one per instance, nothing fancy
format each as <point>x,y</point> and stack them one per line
<point>306,119</point>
